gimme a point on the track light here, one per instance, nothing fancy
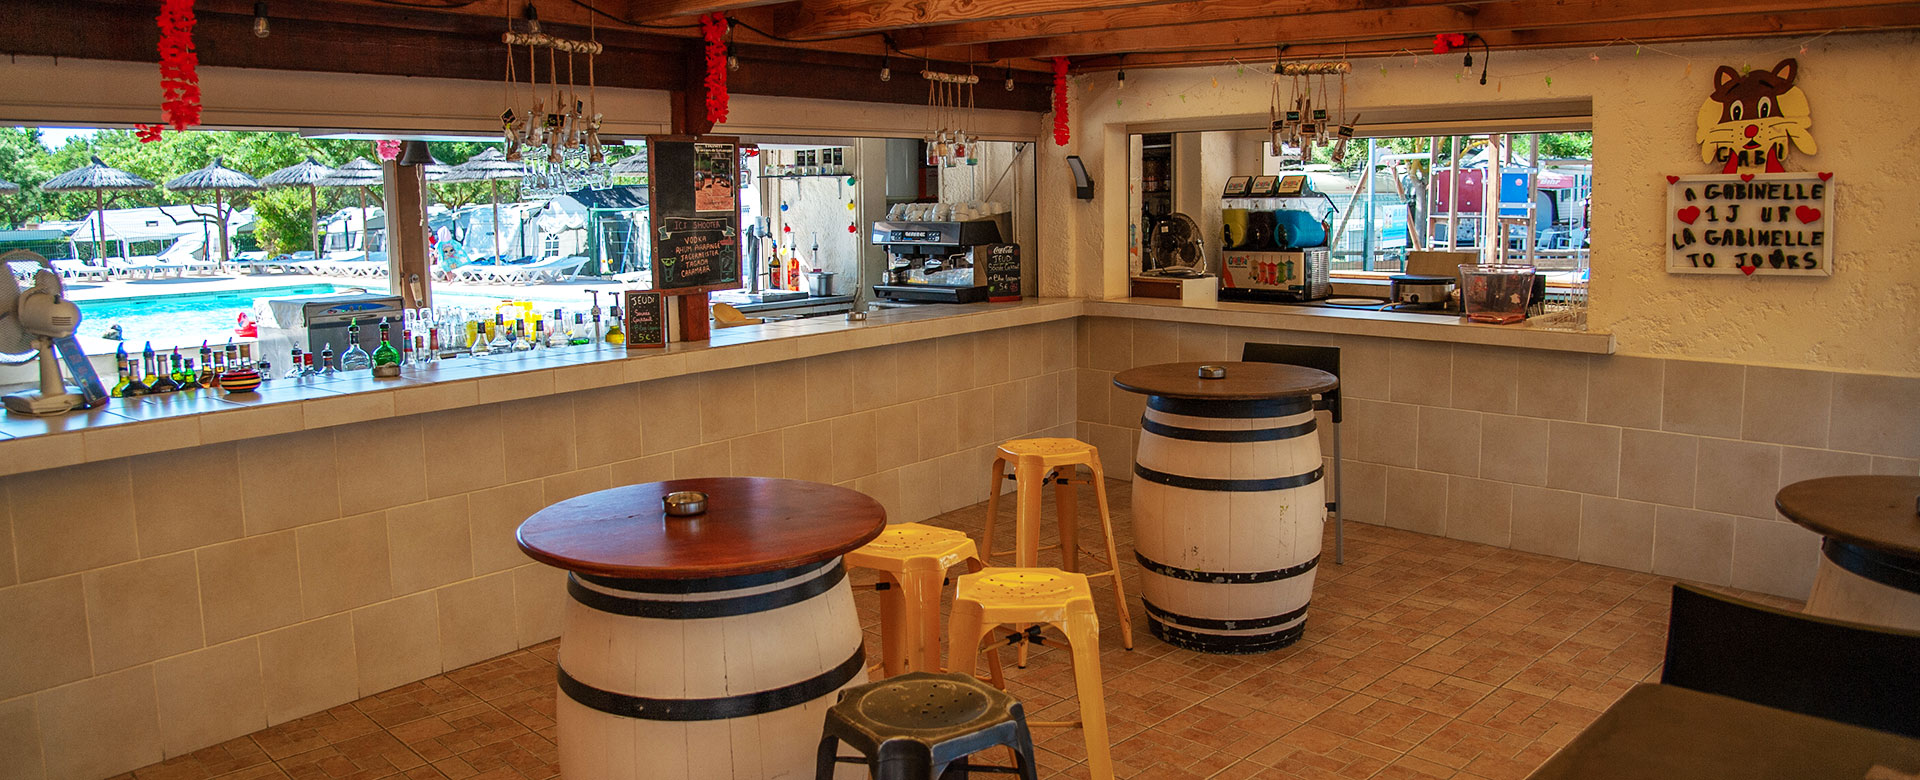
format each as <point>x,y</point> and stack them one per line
<point>260,26</point>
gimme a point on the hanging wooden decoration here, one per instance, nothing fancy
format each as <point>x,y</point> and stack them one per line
<point>179,71</point>
<point>554,129</point>
<point>1749,123</point>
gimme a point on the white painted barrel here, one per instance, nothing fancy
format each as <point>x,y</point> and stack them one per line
<point>720,678</point>
<point>1228,503</point>
<point>1866,585</point>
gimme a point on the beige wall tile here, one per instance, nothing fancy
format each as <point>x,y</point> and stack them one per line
<point>539,603</point>
<point>210,696</point>
<point>1657,467</point>
<point>73,519</point>
<point>45,641</point>
<point>876,376</point>
<point>780,393</point>
<point>1090,393</point>
<point>1155,342</point>
<point>1449,441</point>
<point>975,418</point>
<point>561,487</point>
<point>669,414</point>
<point>249,586</point>
<point>1417,500</point>
<point>1042,402</point>
<point>1480,510</point>
<point>1901,467</point>
<point>990,356</point>
<point>8,573</point>
<point>185,498</point>
<point>1737,477</point>
<point>1364,496</point>
<point>1382,432</point>
<point>429,544</point>
<point>855,448</point>
<point>1116,449</point>
<point>1485,378</point>
<point>1421,372</point>
<point>896,436</point>
<point>953,363</point>
<point>829,386</point>
<point>1703,398</point>
<point>1616,532</point>
<point>289,481</point>
<point>1583,458</point>
<point>759,455</point>
<point>606,425</point>
<point>1693,545</point>
<point>1787,406</point>
<point>1546,521</point>
<point>308,667</point>
<point>1109,344</point>
<point>1124,407</point>
<point>100,727</point>
<point>1513,449</point>
<point>920,491</point>
<point>1774,557</point>
<point>653,468</point>
<point>494,516</point>
<point>1624,390</point>
<point>432,398</point>
<point>1875,414</point>
<point>121,441</point>
<point>382,464</point>
<point>1798,464</point>
<point>919,369</point>
<point>1009,412</point>
<point>20,732</point>
<point>883,487</point>
<point>807,451</point>
<point>252,422</point>
<point>938,422</point>
<point>727,405</point>
<point>1552,384</point>
<point>465,449</point>
<point>473,624</point>
<point>143,610</point>
<point>539,434</point>
<point>396,642</point>
<point>714,460</point>
<point>1203,343</point>
<point>343,564</point>
<point>1365,368</point>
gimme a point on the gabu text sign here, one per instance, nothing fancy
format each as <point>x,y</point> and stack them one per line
<point>1751,223</point>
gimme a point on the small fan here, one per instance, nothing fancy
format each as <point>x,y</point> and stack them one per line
<point>1175,248</point>
<point>30,321</point>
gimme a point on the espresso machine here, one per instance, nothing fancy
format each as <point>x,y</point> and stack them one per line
<point>936,262</point>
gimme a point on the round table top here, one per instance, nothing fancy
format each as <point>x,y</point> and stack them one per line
<point>1243,382</point>
<point>752,525</point>
<point>1873,511</point>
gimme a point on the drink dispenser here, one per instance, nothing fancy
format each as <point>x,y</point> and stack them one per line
<point>1276,245</point>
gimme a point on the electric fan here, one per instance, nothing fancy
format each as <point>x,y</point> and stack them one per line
<point>1175,248</point>
<point>30,321</point>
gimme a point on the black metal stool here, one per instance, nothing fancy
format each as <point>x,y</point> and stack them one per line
<point>922,726</point>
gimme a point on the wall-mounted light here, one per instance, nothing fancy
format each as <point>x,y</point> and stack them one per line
<point>260,27</point>
<point>1082,183</point>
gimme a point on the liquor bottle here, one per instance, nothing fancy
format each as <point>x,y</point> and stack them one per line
<point>135,385</point>
<point>149,369</point>
<point>386,359</point>
<point>410,350</point>
<point>326,360</point>
<point>162,377</point>
<point>499,342</point>
<point>232,354</point>
<point>266,371</point>
<point>298,367</point>
<point>615,335</point>
<point>173,370</point>
<point>308,369</point>
<point>433,342</point>
<point>355,358</point>
<point>579,334</point>
<point>206,362</point>
<point>557,336</point>
<point>189,378</point>
<point>521,341</point>
<point>120,364</point>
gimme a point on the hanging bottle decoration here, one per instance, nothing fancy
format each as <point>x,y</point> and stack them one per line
<point>554,130</point>
<point>179,76</point>
<point>1061,133</point>
<point>714,26</point>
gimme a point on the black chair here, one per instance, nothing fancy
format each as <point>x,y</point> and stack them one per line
<point>1848,672</point>
<point>1325,359</point>
<point>922,726</point>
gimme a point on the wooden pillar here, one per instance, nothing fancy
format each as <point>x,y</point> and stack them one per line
<point>689,117</point>
<point>408,259</point>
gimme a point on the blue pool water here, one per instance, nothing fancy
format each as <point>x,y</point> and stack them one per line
<point>187,318</point>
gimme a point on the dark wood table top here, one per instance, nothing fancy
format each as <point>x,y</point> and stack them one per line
<point>752,525</point>
<point>1872,511</point>
<point>1243,382</point>
<point>1661,732</point>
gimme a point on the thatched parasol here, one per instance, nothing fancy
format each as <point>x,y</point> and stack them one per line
<point>491,167</point>
<point>9,188</point>
<point>96,178</point>
<point>219,179</point>
<point>358,174</point>
<point>633,165</point>
<point>308,174</point>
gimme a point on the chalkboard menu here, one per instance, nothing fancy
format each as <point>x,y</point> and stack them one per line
<point>1003,272</point>
<point>693,197</point>
<point>646,315</point>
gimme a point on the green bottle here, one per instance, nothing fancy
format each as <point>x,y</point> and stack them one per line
<point>386,359</point>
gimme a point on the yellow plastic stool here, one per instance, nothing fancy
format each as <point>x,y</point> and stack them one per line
<point>1037,462</point>
<point>915,558</point>
<point>994,597</point>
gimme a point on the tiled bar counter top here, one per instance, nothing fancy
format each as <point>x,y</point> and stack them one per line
<point>171,581</point>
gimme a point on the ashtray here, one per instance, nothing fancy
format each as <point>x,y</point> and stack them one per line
<point>685,503</point>
<point>1213,372</point>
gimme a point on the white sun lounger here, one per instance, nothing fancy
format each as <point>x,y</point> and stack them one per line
<point>550,269</point>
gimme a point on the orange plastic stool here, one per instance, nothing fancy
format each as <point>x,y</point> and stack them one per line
<point>915,558</point>
<point>995,597</point>
<point>1037,462</point>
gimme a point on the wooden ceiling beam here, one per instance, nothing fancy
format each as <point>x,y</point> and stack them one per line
<point>657,10</point>
<point>1356,26</point>
<point>813,19</point>
<point>1193,12</point>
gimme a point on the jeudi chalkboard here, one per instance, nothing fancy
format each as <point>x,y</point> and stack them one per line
<point>646,315</point>
<point>692,192</point>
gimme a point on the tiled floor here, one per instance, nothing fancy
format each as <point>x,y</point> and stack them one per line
<point>1424,658</point>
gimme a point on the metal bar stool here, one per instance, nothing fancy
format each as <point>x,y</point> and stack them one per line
<point>1325,359</point>
<point>921,726</point>
<point>914,558</point>
<point>995,597</point>
<point>1036,463</point>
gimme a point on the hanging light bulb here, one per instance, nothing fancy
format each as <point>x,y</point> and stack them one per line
<point>886,71</point>
<point>260,27</point>
<point>733,62</point>
<point>1123,78</point>
<point>1009,76</point>
<point>533,19</point>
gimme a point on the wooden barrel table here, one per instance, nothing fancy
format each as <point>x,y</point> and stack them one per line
<point>707,646</point>
<point>1228,502</point>
<point>1870,557</point>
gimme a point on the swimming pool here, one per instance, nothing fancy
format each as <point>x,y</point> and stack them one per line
<point>189,318</point>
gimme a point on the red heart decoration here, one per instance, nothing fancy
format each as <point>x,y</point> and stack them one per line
<point>1807,214</point>
<point>1688,214</point>
<point>1825,175</point>
<point>1746,177</point>
<point>1673,180</point>
<point>1749,269</point>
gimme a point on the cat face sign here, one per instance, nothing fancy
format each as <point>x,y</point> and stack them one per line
<point>1749,122</point>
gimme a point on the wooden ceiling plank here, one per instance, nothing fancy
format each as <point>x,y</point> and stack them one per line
<point>657,10</point>
<point>832,18</point>
<point>1192,12</point>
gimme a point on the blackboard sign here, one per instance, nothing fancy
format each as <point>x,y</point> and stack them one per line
<point>695,213</point>
<point>646,315</point>
<point>1003,272</point>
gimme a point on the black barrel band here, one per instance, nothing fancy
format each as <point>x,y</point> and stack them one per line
<point>1263,407</point>
<point>711,608</point>
<point>1216,624</point>
<point>1205,434</point>
<point>1225,577</point>
<point>1231,644</point>
<point>719,708</point>
<point>1228,485</point>
<point>702,584</point>
<point>1894,571</point>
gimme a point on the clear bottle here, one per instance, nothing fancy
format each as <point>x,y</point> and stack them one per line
<point>557,335</point>
<point>386,359</point>
<point>521,340</point>
<point>326,360</point>
<point>579,334</point>
<point>126,375</point>
<point>299,367</point>
<point>615,335</point>
<point>499,342</point>
<point>355,358</point>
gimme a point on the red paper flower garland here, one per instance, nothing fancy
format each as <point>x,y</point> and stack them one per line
<point>1446,42</point>
<point>1061,133</point>
<point>179,79</point>
<point>714,27</point>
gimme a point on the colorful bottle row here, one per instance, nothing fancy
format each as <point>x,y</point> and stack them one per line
<point>231,369</point>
